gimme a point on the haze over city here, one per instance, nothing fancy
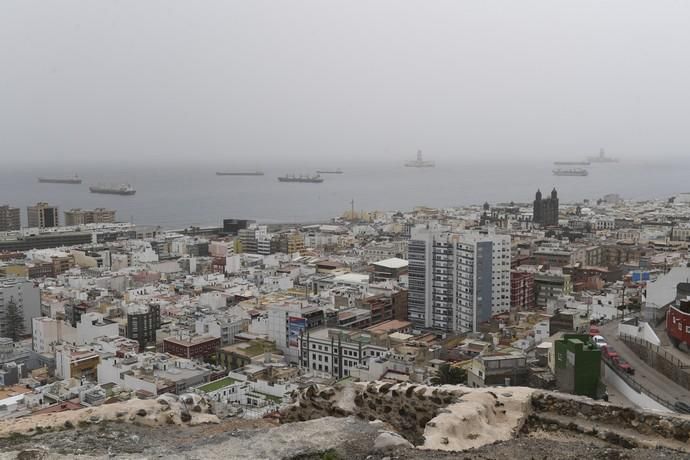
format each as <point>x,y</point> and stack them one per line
<point>266,82</point>
<point>344,230</point>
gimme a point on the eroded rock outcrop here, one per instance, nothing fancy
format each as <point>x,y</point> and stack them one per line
<point>447,417</point>
<point>458,418</point>
<point>167,409</point>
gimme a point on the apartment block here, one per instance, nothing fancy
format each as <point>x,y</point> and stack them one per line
<point>89,216</point>
<point>9,219</point>
<point>42,215</point>
<point>457,280</point>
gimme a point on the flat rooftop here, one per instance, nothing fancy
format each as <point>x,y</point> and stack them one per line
<point>191,341</point>
<point>217,384</point>
<point>392,263</point>
<point>387,326</point>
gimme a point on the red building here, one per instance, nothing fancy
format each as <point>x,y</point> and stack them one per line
<point>678,322</point>
<point>521,290</point>
<point>194,348</point>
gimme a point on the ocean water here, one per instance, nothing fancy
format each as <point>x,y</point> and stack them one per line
<point>177,196</point>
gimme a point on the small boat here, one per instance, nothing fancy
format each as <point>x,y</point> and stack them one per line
<point>331,171</point>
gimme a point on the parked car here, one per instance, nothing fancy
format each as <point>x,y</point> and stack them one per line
<point>625,367</point>
<point>599,341</point>
<point>609,352</point>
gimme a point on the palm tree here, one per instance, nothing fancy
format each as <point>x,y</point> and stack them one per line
<point>449,375</point>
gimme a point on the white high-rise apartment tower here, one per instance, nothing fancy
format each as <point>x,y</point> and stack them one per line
<point>457,279</point>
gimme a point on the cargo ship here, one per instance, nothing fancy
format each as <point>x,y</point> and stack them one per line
<point>602,158</point>
<point>240,173</point>
<point>305,179</point>
<point>571,163</point>
<point>57,180</point>
<point>122,189</point>
<point>420,162</point>
<point>570,172</point>
<point>330,171</point>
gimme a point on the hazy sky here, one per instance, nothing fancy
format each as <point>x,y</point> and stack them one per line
<point>260,80</point>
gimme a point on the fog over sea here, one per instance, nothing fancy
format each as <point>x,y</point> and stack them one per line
<point>177,196</point>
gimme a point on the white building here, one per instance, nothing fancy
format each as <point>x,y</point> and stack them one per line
<point>224,328</point>
<point>49,332</point>
<point>336,353</point>
<point>25,296</point>
<point>457,280</point>
<point>286,321</point>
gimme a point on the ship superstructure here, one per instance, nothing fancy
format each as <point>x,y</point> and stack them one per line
<point>602,158</point>
<point>420,162</point>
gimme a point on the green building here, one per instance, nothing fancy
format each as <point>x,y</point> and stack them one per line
<point>577,365</point>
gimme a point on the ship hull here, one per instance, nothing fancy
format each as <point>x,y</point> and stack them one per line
<point>329,172</point>
<point>419,165</point>
<point>302,181</point>
<point>59,181</point>
<point>573,174</point>
<point>571,163</point>
<point>257,173</point>
<point>113,192</point>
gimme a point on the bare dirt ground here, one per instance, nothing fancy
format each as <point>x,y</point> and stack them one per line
<point>324,439</point>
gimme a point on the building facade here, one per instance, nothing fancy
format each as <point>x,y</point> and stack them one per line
<point>25,298</point>
<point>336,352</point>
<point>521,290</point>
<point>9,219</point>
<point>545,209</point>
<point>142,323</point>
<point>89,216</point>
<point>457,280</point>
<point>192,348</point>
<point>42,215</point>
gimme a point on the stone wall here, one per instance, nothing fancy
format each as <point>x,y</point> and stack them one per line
<point>458,417</point>
<point>406,407</point>
<point>621,425</point>
<point>422,414</point>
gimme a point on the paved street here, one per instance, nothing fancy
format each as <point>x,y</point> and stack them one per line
<point>644,375</point>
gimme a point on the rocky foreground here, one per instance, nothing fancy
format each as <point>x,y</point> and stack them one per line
<point>361,421</point>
